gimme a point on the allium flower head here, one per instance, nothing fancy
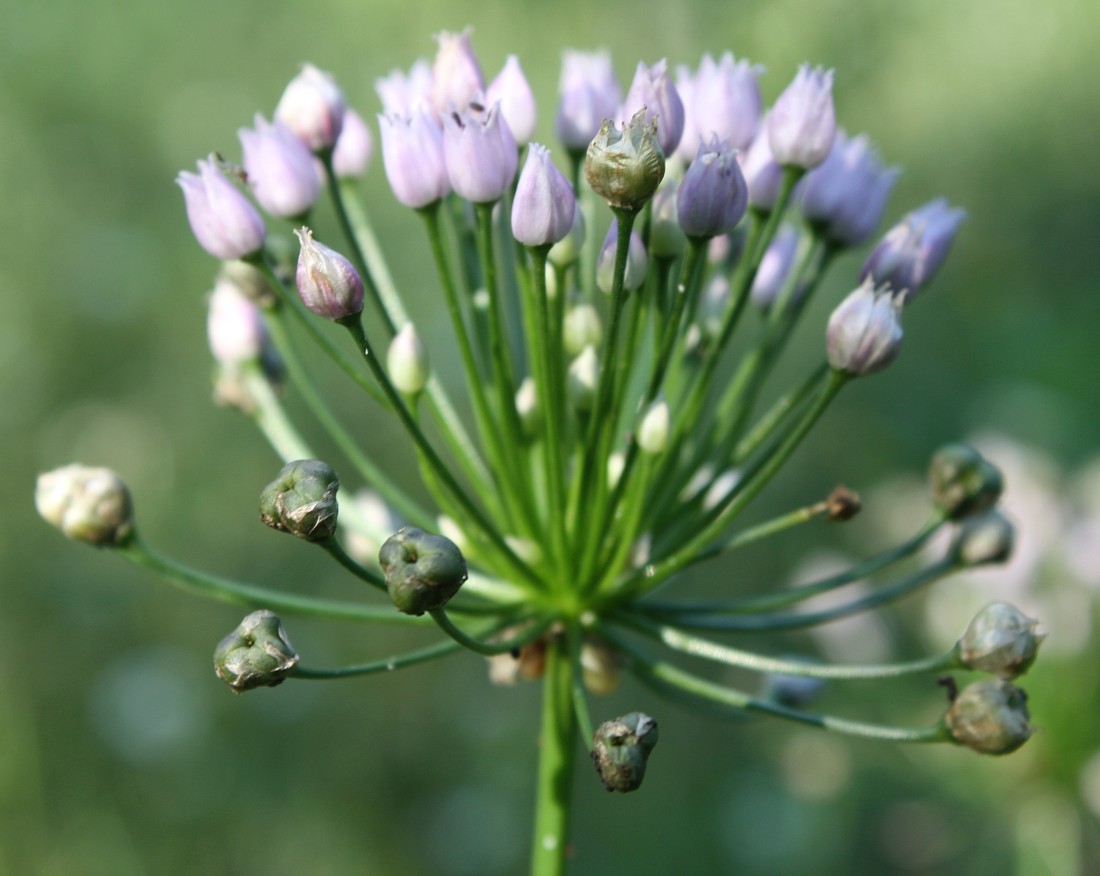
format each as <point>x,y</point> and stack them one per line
<point>652,91</point>
<point>544,205</point>
<point>281,169</point>
<point>589,95</point>
<point>327,282</point>
<point>412,153</point>
<point>802,123</point>
<point>517,102</point>
<point>713,194</point>
<point>864,332</point>
<point>913,250</point>
<point>354,147</point>
<point>480,155</point>
<point>312,107</point>
<point>456,73</point>
<point>625,167</point>
<point>222,219</point>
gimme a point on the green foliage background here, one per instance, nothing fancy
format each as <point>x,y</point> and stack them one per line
<point>120,753</point>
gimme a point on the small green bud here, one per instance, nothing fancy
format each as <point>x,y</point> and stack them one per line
<point>1001,639</point>
<point>582,328</point>
<point>625,167</point>
<point>527,407</point>
<point>302,500</point>
<point>620,749</point>
<point>256,654</point>
<point>984,538</point>
<point>653,430</point>
<point>963,481</point>
<point>990,716</point>
<point>407,361</point>
<point>423,571</point>
<point>583,379</point>
<point>86,504</point>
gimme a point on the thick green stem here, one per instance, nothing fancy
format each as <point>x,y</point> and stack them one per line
<point>556,764</point>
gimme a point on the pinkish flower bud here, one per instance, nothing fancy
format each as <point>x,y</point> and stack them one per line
<point>281,169</point>
<point>775,267</point>
<point>802,123</point>
<point>625,167</point>
<point>412,153</point>
<point>864,332</point>
<point>312,106</point>
<point>222,219</point>
<point>652,91</point>
<point>544,205</point>
<point>354,147</point>
<point>589,94</point>
<point>763,175</point>
<point>327,282</point>
<point>713,194</point>
<point>480,155</point>
<point>637,262</point>
<point>234,328</point>
<point>401,92</point>
<point>726,100</point>
<point>913,250</point>
<point>517,102</point>
<point>846,194</point>
<point>456,73</point>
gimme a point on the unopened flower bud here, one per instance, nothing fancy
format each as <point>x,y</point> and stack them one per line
<point>983,538</point>
<point>354,148</point>
<point>653,94</point>
<point>544,205</point>
<point>802,123</point>
<point>625,167</point>
<point>653,430</point>
<point>423,571</point>
<point>1001,639</point>
<point>517,102</point>
<point>222,219</point>
<point>281,169</point>
<point>864,332</point>
<point>456,73</point>
<point>912,251</point>
<point>842,504</point>
<point>621,748</point>
<point>251,282</point>
<point>327,282</point>
<point>775,267</point>
<point>234,328</point>
<point>302,500</point>
<point>312,107</point>
<point>256,654</point>
<point>582,328</point>
<point>412,153</point>
<point>583,379</point>
<point>616,462</point>
<point>480,154</point>
<point>567,250</point>
<point>527,407</point>
<point>763,175</point>
<point>963,481</point>
<point>87,504</point>
<point>666,237</point>
<point>589,94</point>
<point>601,667</point>
<point>407,361</point>
<point>726,100</point>
<point>990,716</point>
<point>637,261</point>
<point>713,194</point>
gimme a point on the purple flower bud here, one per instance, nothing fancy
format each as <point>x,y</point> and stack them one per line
<point>713,194</point>
<point>775,267</point>
<point>589,94</point>
<point>517,101</point>
<point>280,168</point>
<point>802,123</point>
<point>412,152</point>
<point>762,172</point>
<point>234,328</point>
<point>637,262</point>
<point>312,106</point>
<point>652,90</point>
<point>354,147</point>
<point>327,282</point>
<point>481,156</point>
<point>456,73</point>
<point>625,167</point>
<point>691,138</point>
<point>222,219</point>
<point>846,194</point>
<point>400,93</point>
<point>913,250</point>
<point>543,209</point>
<point>864,332</point>
<point>726,100</point>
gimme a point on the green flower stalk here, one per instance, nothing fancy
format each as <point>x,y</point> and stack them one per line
<point>624,405</point>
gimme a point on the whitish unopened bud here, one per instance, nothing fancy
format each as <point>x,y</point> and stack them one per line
<point>327,282</point>
<point>222,219</point>
<point>990,716</point>
<point>653,430</point>
<point>256,654</point>
<point>802,123</point>
<point>864,332</point>
<point>517,102</point>
<point>621,748</point>
<point>87,504</point>
<point>302,500</point>
<point>583,328</point>
<point>625,167</point>
<point>1001,639</point>
<point>527,407</point>
<point>583,379</point>
<point>354,147</point>
<point>963,481</point>
<point>407,361</point>
<point>983,538</point>
<point>456,72</point>
<point>616,462</point>
<point>423,571</point>
<point>544,205</point>
<point>312,106</point>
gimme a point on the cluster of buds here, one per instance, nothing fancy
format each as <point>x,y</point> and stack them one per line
<point>611,450</point>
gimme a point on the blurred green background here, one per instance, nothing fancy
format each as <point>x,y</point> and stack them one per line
<point>121,754</point>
